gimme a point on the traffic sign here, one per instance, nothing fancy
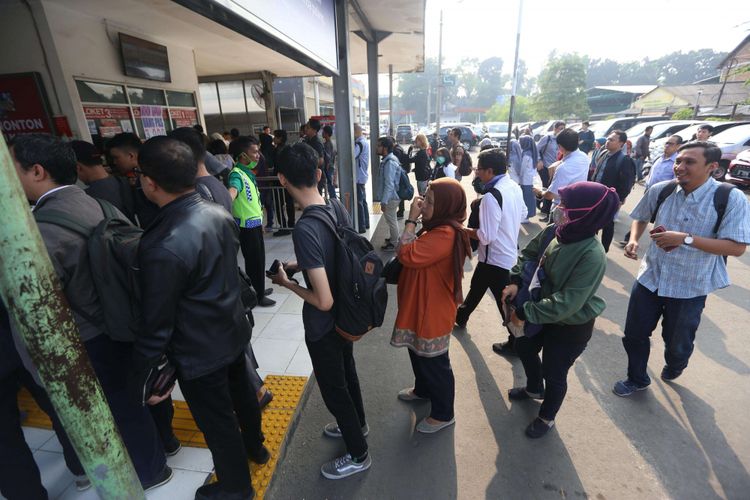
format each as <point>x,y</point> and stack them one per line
<point>449,80</point>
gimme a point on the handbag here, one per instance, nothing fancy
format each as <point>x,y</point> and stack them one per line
<point>161,379</point>
<point>392,270</point>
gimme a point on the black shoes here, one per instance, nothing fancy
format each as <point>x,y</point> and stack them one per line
<point>173,447</point>
<point>162,478</point>
<point>521,394</point>
<point>282,232</point>
<point>266,302</point>
<point>504,349</point>
<point>213,491</point>
<point>538,428</point>
<point>260,456</point>
<point>668,374</point>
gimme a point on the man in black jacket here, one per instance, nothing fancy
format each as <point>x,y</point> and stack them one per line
<point>614,169</point>
<point>191,307</point>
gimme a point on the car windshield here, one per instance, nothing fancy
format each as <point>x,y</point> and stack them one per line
<point>498,128</point>
<point>601,128</point>
<point>404,128</point>
<point>734,135</point>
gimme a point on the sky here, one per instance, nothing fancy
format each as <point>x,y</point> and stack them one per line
<point>620,30</point>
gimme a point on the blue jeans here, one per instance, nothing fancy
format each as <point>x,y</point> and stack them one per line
<point>364,211</point>
<point>529,200</point>
<point>329,183</point>
<point>680,320</point>
<point>639,162</point>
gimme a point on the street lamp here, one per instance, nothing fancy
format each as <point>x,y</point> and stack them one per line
<point>697,102</point>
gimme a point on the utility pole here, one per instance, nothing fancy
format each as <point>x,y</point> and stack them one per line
<point>697,104</point>
<point>390,100</point>
<point>514,88</point>
<point>440,78</point>
<point>37,306</point>
<point>429,98</point>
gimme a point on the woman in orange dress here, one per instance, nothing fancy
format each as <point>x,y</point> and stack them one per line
<point>429,290</point>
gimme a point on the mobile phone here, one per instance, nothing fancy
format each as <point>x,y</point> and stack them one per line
<point>274,269</point>
<point>657,229</point>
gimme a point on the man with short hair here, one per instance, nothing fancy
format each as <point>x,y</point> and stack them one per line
<point>362,164</point>
<point>586,138</point>
<point>312,139</point>
<point>642,152</point>
<point>193,313</point>
<point>330,160</point>
<point>123,150</point>
<point>497,235</point>
<point>248,212</point>
<point>46,167</point>
<point>614,169</point>
<point>704,132</point>
<point>390,171</point>
<point>682,265</point>
<point>100,184</point>
<point>454,138</point>
<point>284,214</point>
<point>547,147</point>
<point>573,167</point>
<point>331,354</point>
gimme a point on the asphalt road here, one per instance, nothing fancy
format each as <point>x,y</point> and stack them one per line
<point>682,440</point>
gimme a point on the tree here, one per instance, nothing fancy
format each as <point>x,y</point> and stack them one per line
<point>523,111</point>
<point>683,114</point>
<point>562,87</point>
<point>414,89</point>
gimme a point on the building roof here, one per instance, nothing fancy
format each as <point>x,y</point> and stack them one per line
<point>627,89</point>
<point>734,52</point>
<point>733,93</point>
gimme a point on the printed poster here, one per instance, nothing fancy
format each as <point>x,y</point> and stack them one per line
<point>152,118</point>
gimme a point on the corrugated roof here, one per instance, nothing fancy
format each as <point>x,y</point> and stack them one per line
<point>628,89</point>
<point>734,93</point>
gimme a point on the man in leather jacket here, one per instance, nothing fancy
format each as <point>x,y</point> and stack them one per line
<point>191,307</point>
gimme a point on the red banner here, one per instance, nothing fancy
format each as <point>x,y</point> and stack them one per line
<point>99,112</point>
<point>23,107</point>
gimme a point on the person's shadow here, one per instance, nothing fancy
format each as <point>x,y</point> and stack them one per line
<point>538,468</point>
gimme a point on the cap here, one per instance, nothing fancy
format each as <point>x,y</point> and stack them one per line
<point>86,153</point>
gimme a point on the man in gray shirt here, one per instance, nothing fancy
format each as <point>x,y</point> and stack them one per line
<point>642,152</point>
<point>547,147</point>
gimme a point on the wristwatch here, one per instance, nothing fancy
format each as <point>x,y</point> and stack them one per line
<point>688,239</point>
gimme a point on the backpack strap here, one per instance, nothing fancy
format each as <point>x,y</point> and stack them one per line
<point>499,198</point>
<point>327,220</point>
<point>721,200</point>
<point>64,220</point>
<point>665,193</point>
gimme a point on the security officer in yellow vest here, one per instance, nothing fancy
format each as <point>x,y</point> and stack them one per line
<point>248,213</point>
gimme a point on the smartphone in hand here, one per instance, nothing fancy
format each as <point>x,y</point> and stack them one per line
<point>661,229</point>
<point>274,269</point>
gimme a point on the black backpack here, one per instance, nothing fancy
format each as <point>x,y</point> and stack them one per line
<point>403,157</point>
<point>360,294</point>
<point>113,257</point>
<point>473,222</point>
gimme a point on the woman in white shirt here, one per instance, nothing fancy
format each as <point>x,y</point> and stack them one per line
<point>443,165</point>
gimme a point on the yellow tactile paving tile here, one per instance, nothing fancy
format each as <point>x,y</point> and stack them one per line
<point>287,391</point>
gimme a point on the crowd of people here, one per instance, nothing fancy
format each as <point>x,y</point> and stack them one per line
<point>201,200</point>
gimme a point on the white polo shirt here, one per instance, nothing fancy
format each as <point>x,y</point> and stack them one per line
<point>573,168</point>
<point>499,227</point>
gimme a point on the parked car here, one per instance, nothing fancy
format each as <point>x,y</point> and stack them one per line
<point>739,169</point>
<point>542,129</point>
<point>605,127</point>
<point>406,133</point>
<point>662,129</point>
<point>497,133</point>
<point>468,138</point>
<point>657,146</point>
<point>732,142</point>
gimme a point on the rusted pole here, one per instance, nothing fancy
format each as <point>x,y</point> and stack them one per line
<point>38,307</point>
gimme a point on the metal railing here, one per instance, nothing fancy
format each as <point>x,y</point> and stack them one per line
<point>275,197</point>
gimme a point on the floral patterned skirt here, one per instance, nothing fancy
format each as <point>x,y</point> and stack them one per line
<point>421,346</point>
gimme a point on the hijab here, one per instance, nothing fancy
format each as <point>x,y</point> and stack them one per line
<point>589,207</point>
<point>449,209</point>
<point>528,146</point>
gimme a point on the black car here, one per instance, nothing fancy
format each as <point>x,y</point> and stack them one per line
<point>468,138</point>
<point>405,134</point>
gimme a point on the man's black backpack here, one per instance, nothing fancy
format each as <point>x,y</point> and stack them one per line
<point>113,258</point>
<point>473,222</point>
<point>360,294</point>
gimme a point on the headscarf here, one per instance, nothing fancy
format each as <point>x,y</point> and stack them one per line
<point>589,207</point>
<point>450,210</point>
<point>516,156</point>
<point>529,148</point>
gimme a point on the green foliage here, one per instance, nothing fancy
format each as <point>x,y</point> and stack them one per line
<point>683,114</point>
<point>677,68</point>
<point>524,111</point>
<point>562,87</point>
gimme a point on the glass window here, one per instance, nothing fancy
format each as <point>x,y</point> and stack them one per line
<point>209,98</point>
<point>146,96</point>
<point>232,98</point>
<point>185,99</point>
<point>101,92</point>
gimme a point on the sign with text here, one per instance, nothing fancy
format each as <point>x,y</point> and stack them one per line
<point>23,105</point>
<point>152,118</point>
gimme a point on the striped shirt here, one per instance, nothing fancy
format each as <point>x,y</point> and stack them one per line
<point>687,272</point>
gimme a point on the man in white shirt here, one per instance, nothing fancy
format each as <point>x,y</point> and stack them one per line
<point>574,167</point>
<point>500,214</point>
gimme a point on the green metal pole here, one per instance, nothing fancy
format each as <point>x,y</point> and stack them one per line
<point>37,305</point>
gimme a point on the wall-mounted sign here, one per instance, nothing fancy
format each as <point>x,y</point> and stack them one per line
<point>23,105</point>
<point>152,118</point>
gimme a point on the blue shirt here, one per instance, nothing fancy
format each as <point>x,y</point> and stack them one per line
<point>662,170</point>
<point>547,147</point>
<point>687,272</point>
<point>362,159</point>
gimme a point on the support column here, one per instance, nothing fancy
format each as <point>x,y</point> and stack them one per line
<point>390,100</point>
<point>37,306</point>
<point>372,89</point>
<point>342,102</point>
<point>269,100</point>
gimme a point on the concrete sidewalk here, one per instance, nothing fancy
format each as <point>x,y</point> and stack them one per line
<point>683,440</point>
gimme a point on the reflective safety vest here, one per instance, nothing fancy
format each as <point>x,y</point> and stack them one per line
<point>246,208</point>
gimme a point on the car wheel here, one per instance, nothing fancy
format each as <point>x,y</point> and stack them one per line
<point>720,171</point>
<point>466,145</point>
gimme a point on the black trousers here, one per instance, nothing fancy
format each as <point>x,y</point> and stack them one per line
<point>19,474</point>
<point>336,373</point>
<point>226,411</point>
<point>544,176</point>
<point>608,234</point>
<point>485,276</point>
<point>284,207</point>
<point>558,356</point>
<point>112,361</point>
<point>433,379</point>
<point>254,252</point>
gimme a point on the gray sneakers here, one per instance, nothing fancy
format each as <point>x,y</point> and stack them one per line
<point>345,466</point>
<point>332,430</point>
